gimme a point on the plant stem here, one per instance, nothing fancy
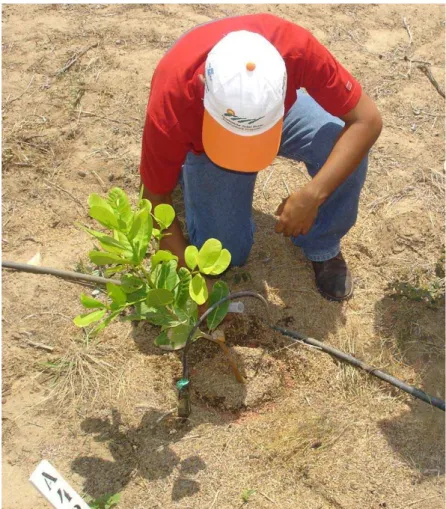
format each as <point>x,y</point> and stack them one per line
<point>147,276</point>
<point>222,345</point>
<point>178,284</point>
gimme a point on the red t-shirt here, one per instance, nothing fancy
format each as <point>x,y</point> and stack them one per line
<point>175,110</point>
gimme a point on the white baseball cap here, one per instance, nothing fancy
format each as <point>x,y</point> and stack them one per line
<point>245,87</point>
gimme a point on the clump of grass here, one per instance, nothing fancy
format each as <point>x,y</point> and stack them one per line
<point>81,373</point>
<point>300,433</point>
<point>426,286</point>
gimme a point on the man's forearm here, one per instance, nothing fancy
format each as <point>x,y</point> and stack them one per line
<point>176,243</point>
<point>352,146</point>
<point>362,128</point>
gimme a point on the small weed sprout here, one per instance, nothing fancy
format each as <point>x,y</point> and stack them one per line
<point>247,494</point>
<point>105,502</point>
<point>422,287</point>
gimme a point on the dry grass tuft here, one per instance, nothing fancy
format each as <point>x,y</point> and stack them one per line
<point>82,374</point>
<point>301,433</point>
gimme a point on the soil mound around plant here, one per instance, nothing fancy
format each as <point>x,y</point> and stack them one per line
<point>216,385</point>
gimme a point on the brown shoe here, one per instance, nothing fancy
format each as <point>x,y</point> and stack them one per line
<point>333,278</point>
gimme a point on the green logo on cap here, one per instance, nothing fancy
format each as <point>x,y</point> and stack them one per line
<point>230,115</point>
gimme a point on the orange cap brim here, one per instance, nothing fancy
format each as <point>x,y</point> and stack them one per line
<point>240,153</point>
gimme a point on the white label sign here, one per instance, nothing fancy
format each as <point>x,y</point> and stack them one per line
<point>55,489</point>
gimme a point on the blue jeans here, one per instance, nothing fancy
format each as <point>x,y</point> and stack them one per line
<point>218,202</point>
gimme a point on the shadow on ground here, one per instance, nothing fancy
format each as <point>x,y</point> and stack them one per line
<point>144,451</point>
<point>416,333</point>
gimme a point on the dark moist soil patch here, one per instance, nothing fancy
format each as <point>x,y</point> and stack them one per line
<point>214,382</point>
<point>252,344</point>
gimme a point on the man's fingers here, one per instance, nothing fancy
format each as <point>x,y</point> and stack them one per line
<point>281,207</point>
<point>279,227</point>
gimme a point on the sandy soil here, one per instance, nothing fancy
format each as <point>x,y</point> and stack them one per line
<point>305,432</point>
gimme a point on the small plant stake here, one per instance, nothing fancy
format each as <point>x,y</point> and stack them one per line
<point>55,488</point>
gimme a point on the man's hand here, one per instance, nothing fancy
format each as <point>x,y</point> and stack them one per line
<point>297,213</point>
<point>175,241</point>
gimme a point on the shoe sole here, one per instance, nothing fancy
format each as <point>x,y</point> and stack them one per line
<point>335,299</point>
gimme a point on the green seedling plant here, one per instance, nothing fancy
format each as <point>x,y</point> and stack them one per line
<point>152,286</point>
<point>247,494</point>
<point>105,502</point>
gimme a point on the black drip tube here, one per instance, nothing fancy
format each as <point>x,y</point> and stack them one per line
<point>183,385</point>
<point>410,389</point>
<point>66,274</point>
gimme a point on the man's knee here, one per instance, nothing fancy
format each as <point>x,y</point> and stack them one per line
<point>239,253</point>
<point>238,244</point>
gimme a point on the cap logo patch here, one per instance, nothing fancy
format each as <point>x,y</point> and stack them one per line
<point>242,123</point>
<point>349,85</point>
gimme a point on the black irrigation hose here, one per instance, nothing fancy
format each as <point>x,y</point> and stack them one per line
<point>183,384</point>
<point>410,389</point>
<point>66,274</point>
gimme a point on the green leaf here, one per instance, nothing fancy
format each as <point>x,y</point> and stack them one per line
<point>183,287</point>
<point>104,214</point>
<point>140,233</point>
<point>137,296</point>
<point>169,276</point>
<point>162,256</point>
<point>160,317</point>
<point>119,202</point>
<point>100,258</point>
<point>89,302</point>
<point>178,335</point>
<point>219,291</point>
<point>247,494</point>
<point>95,233</point>
<point>117,294</point>
<point>145,204</point>
<point>191,309</point>
<point>165,275</point>
<point>101,326</point>
<point>175,338</point>
<point>88,318</point>
<point>159,297</point>
<point>130,284</point>
<point>221,264</point>
<point>113,500</point>
<point>164,215</point>
<point>141,308</point>
<point>122,238</point>
<point>163,341</point>
<point>95,200</point>
<point>198,289</point>
<point>105,502</point>
<point>112,245</point>
<point>208,255</point>
<point>111,271</point>
<point>191,256</point>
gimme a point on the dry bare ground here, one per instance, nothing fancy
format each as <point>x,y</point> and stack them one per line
<point>306,431</point>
